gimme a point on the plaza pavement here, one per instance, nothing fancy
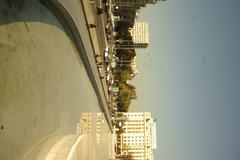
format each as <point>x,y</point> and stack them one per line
<point>44,84</point>
<point>76,15</point>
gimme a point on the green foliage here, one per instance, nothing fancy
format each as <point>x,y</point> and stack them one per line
<point>124,76</point>
<point>126,93</point>
<point>127,157</point>
<point>123,26</point>
<point>123,70</point>
<point>126,54</point>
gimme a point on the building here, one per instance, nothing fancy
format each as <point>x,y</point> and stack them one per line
<point>137,4</point>
<point>127,9</point>
<point>127,16</point>
<point>140,34</point>
<point>140,37</point>
<point>138,135</point>
<point>133,65</point>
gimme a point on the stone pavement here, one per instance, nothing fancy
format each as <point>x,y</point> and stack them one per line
<point>44,84</point>
<point>98,36</point>
<point>92,142</point>
<point>73,15</point>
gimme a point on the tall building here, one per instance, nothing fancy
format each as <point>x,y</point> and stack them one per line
<point>127,9</point>
<point>138,135</point>
<point>133,65</point>
<point>137,4</point>
<point>140,34</point>
<point>140,37</point>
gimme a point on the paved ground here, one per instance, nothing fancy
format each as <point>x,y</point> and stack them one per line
<point>93,142</point>
<point>83,13</point>
<point>43,84</point>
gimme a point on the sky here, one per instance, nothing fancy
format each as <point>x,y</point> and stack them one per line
<point>190,78</point>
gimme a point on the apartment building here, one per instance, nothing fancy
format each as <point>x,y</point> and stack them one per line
<point>137,137</point>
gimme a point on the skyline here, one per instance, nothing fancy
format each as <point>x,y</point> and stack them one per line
<point>189,78</point>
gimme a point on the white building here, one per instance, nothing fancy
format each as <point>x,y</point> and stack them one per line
<point>138,137</point>
<point>133,65</point>
<point>140,34</point>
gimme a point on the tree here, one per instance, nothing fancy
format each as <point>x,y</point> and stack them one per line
<point>121,131</point>
<point>126,157</point>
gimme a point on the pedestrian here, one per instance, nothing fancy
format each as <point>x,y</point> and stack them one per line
<point>91,25</point>
<point>99,63</point>
<point>97,55</point>
<point>99,10</point>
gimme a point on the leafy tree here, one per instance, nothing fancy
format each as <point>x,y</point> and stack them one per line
<point>123,70</point>
<point>121,131</point>
<point>127,157</point>
<point>124,76</point>
<point>125,95</point>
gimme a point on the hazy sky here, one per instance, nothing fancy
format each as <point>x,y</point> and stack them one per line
<point>190,78</point>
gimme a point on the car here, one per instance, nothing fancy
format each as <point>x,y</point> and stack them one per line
<point>113,64</point>
<point>109,89</point>
<point>106,60</point>
<point>120,124</point>
<point>106,51</point>
<point>109,77</point>
<point>108,68</point>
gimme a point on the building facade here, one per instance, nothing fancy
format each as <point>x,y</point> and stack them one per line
<point>140,34</point>
<point>127,9</point>
<point>135,3</point>
<point>140,37</point>
<point>133,65</point>
<point>137,137</point>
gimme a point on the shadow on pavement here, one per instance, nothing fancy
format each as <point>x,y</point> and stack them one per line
<point>12,11</point>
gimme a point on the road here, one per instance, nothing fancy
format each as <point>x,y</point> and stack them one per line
<point>44,86</point>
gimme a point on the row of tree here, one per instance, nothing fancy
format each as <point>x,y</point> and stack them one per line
<point>124,72</point>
